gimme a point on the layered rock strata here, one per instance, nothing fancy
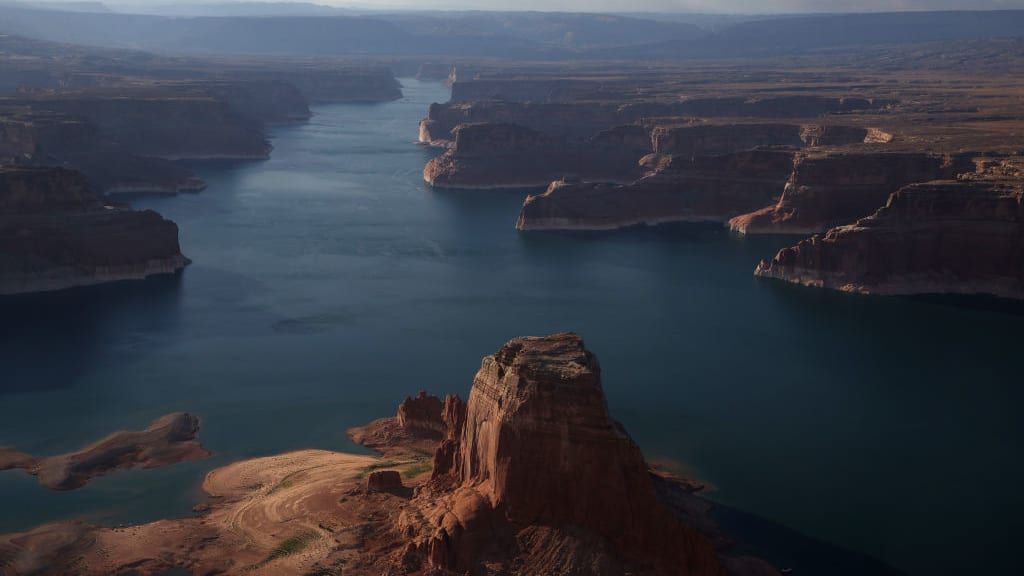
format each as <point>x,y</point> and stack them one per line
<point>580,119</point>
<point>953,236</point>
<point>55,233</point>
<point>170,126</point>
<point>828,188</point>
<point>513,156</point>
<point>681,189</point>
<point>542,480</point>
<point>417,426</point>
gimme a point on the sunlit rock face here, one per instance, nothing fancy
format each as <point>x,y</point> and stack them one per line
<point>955,236</point>
<point>827,189</point>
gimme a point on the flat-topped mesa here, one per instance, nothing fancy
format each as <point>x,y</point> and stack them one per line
<point>707,139</point>
<point>46,138</point>
<point>185,127</point>
<point>713,139</point>
<point>562,120</point>
<point>955,236</point>
<point>543,480</point>
<point>500,155</point>
<point>55,234</point>
<point>331,83</point>
<point>579,119</point>
<point>680,189</point>
<point>26,135</point>
<point>828,189</point>
<point>31,190</point>
<point>268,101</point>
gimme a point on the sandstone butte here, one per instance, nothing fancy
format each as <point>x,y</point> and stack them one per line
<point>530,476</point>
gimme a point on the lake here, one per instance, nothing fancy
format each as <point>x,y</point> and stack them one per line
<point>329,282</point>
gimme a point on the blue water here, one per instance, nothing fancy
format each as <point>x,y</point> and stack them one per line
<point>328,282</point>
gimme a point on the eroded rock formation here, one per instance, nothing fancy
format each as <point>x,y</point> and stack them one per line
<point>827,189</point>
<point>417,426</point>
<point>494,155</point>
<point>680,189</point>
<point>167,440</point>
<point>532,476</point>
<point>954,236</point>
<point>55,233</point>
<point>542,480</point>
<point>421,414</point>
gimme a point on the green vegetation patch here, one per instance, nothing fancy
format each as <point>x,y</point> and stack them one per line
<point>376,466</point>
<point>291,546</point>
<point>417,468</point>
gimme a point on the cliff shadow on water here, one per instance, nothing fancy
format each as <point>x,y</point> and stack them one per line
<point>77,322</point>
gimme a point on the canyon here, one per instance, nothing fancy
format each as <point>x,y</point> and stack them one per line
<point>961,236</point>
<point>755,152</point>
<point>79,125</point>
<point>128,119</point>
<point>581,499</point>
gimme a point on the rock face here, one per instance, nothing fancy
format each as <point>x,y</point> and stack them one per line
<point>956,236</point>
<point>54,234</point>
<point>383,481</point>
<point>495,155</point>
<point>681,189</point>
<point>322,83</point>
<point>827,189</point>
<point>583,118</point>
<point>416,428</point>
<point>714,139</point>
<point>171,126</point>
<point>536,477</point>
<point>167,440</point>
<point>421,414</point>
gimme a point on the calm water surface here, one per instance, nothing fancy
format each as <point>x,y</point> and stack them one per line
<point>328,283</point>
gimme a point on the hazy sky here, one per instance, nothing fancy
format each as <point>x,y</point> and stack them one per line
<point>705,6</point>
<point>728,6</point>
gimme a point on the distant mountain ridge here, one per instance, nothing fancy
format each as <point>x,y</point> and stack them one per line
<point>505,35</point>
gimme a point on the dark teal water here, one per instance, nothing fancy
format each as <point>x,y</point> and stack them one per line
<point>328,283</point>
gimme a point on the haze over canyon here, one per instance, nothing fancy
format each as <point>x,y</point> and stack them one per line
<point>234,236</point>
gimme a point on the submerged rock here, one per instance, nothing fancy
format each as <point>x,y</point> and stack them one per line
<point>167,440</point>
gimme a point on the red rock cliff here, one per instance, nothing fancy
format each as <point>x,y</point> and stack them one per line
<point>501,155</point>
<point>681,189</point>
<point>538,477</point>
<point>828,189</point>
<point>964,236</point>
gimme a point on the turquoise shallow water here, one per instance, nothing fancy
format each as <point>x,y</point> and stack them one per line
<point>328,283</point>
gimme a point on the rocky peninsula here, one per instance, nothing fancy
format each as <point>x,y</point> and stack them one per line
<point>948,236</point>
<point>167,440</point>
<point>56,233</point>
<point>769,152</point>
<point>581,499</point>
